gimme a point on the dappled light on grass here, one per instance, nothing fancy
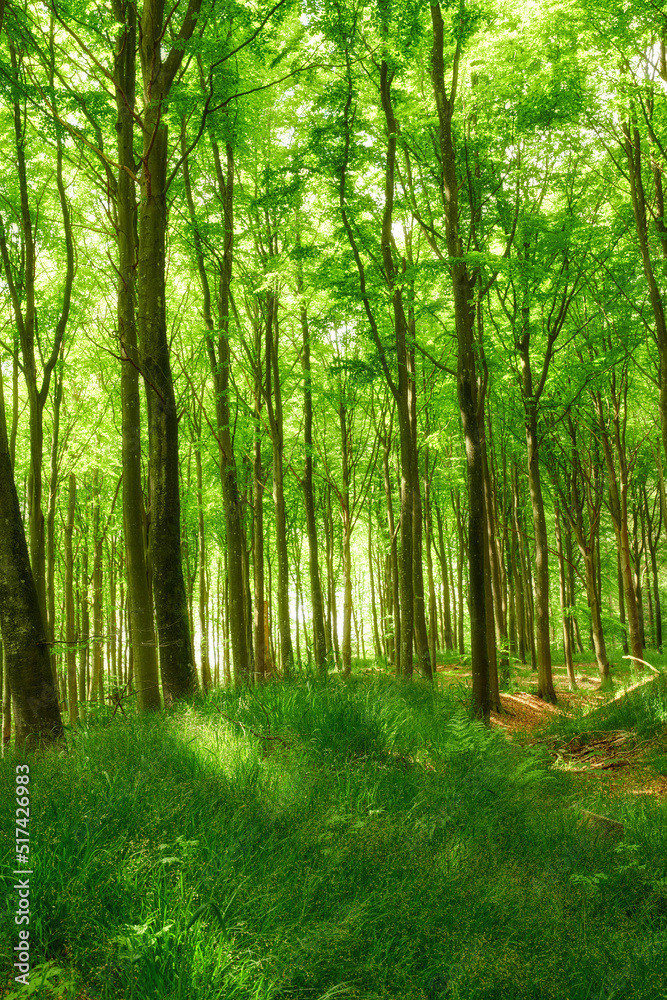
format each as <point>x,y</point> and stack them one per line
<point>386,847</point>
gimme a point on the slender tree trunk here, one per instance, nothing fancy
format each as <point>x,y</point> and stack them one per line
<point>319,636</point>
<point>519,601</point>
<point>432,606</point>
<point>84,636</point>
<point>637,552</point>
<point>258,552</point>
<point>225,627</point>
<point>511,606</point>
<point>618,504</point>
<point>273,397</point>
<point>545,688</point>
<point>656,599</point>
<point>446,601</point>
<point>652,542</point>
<point>494,691</point>
<point>567,646</point>
<point>203,587</point>
<point>96,684</point>
<point>403,392</point>
<point>395,590</point>
<point>112,621</point>
<point>331,579</point>
<point>459,584</point>
<point>51,521</point>
<point>424,646</point>
<point>344,497</point>
<point>377,648</point>
<point>499,620</point>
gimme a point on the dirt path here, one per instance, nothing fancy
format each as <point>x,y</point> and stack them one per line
<point>610,763</point>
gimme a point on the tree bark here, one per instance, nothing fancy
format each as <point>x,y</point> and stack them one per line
<point>618,484</point>
<point>51,521</point>
<point>567,645</point>
<point>96,685</point>
<point>466,379</point>
<point>260,638</point>
<point>377,646</point>
<point>179,678</point>
<point>70,634</point>
<point>140,600</point>
<point>219,357</point>
<point>206,679</point>
<point>274,406</point>
<point>344,497</point>
<point>319,635</point>
<point>432,606</point>
<point>37,718</point>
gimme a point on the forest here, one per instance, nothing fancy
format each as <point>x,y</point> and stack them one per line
<point>333,419</point>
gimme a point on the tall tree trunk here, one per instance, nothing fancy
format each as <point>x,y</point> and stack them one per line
<point>652,543</point>
<point>84,635</point>
<point>519,601</point>
<point>567,645</point>
<point>331,578</point>
<point>395,592</point>
<point>179,678</point>
<point>459,580</point>
<point>499,620</point>
<point>621,604</point>
<point>404,393</point>
<point>466,379</point>
<point>96,685</point>
<point>203,586</point>
<point>344,498</point>
<point>220,365</point>
<point>273,397</point>
<point>112,622</point>
<point>260,637</point>
<point>571,591</point>
<point>51,521</point>
<point>618,484</point>
<point>377,647</point>
<point>545,687</point>
<point>432,606</point>
<point>140,599</point>
<point>637,552</point>
<point>446,601</point>
<point>319,635</point>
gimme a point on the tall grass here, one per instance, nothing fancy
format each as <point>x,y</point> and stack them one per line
<point>383,846</point>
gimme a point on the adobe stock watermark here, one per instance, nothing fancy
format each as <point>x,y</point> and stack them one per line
<point>22,885</point>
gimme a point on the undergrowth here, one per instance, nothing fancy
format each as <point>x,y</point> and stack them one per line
<point>379,845</point>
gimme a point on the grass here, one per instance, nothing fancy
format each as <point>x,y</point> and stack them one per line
<point>385,847</point>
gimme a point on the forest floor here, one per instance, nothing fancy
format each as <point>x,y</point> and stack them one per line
<point>613,763</point>
<point>360,839</point>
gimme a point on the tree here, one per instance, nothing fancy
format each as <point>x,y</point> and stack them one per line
<point>26,652</point>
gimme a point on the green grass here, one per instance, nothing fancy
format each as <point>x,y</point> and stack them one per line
<point>390,848</point>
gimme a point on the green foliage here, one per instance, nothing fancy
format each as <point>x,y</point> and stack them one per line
<point>388,847</point>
